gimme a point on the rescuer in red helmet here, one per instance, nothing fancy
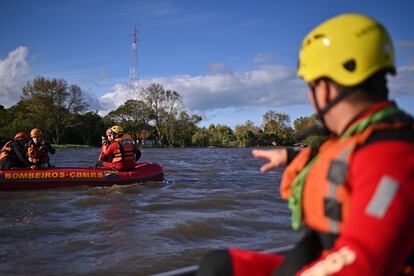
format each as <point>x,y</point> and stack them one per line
<point>13,154</point>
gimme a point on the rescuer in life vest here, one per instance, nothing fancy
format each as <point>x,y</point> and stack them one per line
<point>13,154</point>
<point>38,150</point>
<point>121,153</point>
<point>353,197</point>
<point>106,141</point>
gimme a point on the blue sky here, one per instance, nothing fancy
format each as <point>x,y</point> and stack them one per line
<point>230,60</point>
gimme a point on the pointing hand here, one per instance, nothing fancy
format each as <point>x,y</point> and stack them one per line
<point>277,158</point>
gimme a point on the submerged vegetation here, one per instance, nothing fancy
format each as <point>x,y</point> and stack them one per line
<point>157,118</point>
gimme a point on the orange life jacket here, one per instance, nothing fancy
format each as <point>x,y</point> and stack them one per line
<point>37,155</point>
<point>125,151</point>
<point>326,194</point>
<point>6,150</point>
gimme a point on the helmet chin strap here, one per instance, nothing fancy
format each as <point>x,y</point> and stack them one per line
<point>320,112</point>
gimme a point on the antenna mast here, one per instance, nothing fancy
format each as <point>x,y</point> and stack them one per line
<point>133,71</point>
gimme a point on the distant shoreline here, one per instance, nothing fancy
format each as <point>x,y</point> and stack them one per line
<point>68,146</point>
<point>64,146</point>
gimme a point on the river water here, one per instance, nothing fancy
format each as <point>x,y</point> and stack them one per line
<point>212,198</point>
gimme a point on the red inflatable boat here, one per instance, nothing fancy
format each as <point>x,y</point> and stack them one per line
<point>65,177</point>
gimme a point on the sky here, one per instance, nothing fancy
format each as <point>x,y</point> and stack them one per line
<point>231,61</point>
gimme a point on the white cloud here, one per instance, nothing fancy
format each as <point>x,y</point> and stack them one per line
<point>403,83</point>
<point>13,69</point>
<point>217,68</point>
<point>263,57</point>
<point>147,9</point>
<point>117,96</point>
<point>234,58</point>
<point>404,43</point>
<point>269,86</point>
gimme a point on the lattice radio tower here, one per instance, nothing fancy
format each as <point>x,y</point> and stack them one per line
<point>133,71</point>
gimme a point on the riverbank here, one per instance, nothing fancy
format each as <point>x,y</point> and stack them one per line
<point>69,146</point>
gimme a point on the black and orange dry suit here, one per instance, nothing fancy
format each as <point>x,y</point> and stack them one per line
<point>13,155</point>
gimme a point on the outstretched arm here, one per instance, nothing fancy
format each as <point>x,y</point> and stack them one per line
<point>276,158</point>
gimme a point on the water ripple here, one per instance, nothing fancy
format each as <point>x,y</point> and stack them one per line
<point>211,198</point>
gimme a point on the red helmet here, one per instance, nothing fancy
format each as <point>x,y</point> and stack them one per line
<point>20,135</point>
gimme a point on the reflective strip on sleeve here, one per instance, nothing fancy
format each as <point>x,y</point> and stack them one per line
<point>382,197</point>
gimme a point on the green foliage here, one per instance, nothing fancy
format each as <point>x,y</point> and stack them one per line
<point>185,128</point>
<point>89,130</point>
<point>49,104</point>
<point>277,129</point>
<point>133,115</point>
<point>174,126</point>
<point>248,135</point>
<point>304,123</point>
<point>309,131</point>
<point>201,138</point>
<point>314,140</point>
<point>221,136</point>
<point>52,105</point>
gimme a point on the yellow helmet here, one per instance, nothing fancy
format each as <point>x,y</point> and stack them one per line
<point>36,132</point>
<point>117,129</point>
<point>348,49</point>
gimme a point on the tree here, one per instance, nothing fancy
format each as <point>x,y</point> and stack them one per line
<point>184,129</point>
<point>248,134</point>
<point>309,130</point>
<point>15,119</point>
<point>153,96</point>
<point>201,137</point>
<point>221,135</point>
<point>314,140</point>
<point>304,123</point>
<point>160,112</point>
<point>6,117</point>
<point>53,104</point>
<point>134,115</point>
<point>277,127</point>
<point>166,107</point>
<point>89,131</point>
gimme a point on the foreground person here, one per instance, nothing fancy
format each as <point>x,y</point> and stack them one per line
<point>352,198</point>
<point>122,153</point>
<point>13,154</point>
<point>38,150</point>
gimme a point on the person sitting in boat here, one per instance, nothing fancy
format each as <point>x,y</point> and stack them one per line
<point>38,150</point>
<point>106,141</point>
<point>121,153</point>
<point>13,154</point>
